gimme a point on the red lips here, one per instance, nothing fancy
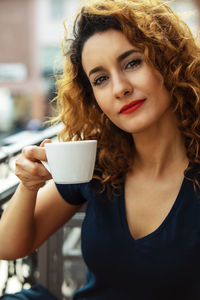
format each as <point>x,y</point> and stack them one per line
<point>135,103</point>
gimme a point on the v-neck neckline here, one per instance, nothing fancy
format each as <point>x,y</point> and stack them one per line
<point>163,223</point>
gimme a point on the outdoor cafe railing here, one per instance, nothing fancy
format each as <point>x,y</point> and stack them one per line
<point>57,264</point>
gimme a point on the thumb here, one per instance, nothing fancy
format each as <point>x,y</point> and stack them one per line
<point>44,142</point>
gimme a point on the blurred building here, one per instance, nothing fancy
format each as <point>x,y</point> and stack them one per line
<point>31,32</point>
<point>19,69</point>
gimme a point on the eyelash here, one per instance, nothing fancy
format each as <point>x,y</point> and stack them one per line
<point>133,63</point>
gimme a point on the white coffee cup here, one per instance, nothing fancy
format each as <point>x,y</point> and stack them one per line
<point>71,162</point>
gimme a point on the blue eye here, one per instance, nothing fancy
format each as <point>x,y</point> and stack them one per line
<point>133,63</point>
<point>99,80</point>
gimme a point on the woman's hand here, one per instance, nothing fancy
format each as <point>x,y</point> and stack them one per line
<point>29,168</point>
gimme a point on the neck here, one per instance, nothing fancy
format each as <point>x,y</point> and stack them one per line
<point>159,148</point>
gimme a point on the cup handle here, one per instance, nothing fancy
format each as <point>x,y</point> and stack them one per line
<point>46,165</point>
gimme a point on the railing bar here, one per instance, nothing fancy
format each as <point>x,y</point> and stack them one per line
<point>7,194</point>
<point>7,151</point>
<point>72,257</point>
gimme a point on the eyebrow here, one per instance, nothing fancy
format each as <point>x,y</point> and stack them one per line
<point>119,59</point>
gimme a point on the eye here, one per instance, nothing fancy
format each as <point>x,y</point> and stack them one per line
<point>133,63</point>
<point>100,80</point>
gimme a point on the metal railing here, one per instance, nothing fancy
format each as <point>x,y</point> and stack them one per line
<point>9,151</point>
<point>58,263</point>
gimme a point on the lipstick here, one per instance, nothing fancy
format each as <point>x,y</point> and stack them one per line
<point>131,107</point>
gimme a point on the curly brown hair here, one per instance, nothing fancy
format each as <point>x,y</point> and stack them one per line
<point>168,46</point>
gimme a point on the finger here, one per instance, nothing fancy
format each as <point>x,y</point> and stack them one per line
<point>34,153</point>
<point>25,176</point>
<point>28,168</point>
<point>33,179</point>
<point>44,142</point>
<point>42,171</point>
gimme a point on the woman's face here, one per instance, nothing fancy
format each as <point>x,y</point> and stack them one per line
<point>128,91</point>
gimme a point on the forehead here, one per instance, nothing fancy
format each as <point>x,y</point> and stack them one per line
<point>108,44</point>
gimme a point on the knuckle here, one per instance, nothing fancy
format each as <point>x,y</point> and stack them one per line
<point>17,162</point>
<point>17,173</point>
<point>24,151</point>
<point>34,170</point>
<point>29,151</point>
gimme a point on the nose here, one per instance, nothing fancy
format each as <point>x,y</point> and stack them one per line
<point>121,86</point>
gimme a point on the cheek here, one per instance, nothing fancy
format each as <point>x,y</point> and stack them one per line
<point>107,109</point>
<point>157,88</point>
<point>155,83</point>
<point>100,104</point>
<point>152,78</point>
<point>102,101</point>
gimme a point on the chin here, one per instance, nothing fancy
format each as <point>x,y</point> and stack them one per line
<point>136,129</point>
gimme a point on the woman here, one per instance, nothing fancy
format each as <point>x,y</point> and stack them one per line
<point>131,81</point>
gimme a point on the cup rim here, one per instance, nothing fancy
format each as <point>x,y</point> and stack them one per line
<point>69,143</point>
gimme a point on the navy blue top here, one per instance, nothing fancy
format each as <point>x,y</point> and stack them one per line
<point>164,264</point>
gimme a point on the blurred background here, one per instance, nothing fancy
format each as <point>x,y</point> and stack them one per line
<point>31,32</point>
